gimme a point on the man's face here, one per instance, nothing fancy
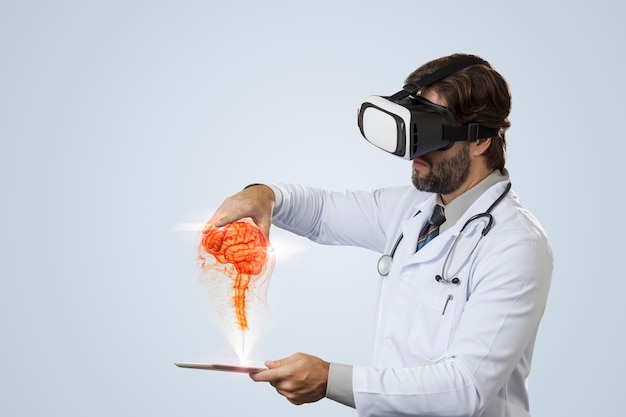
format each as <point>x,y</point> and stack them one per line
<point>441,172</point>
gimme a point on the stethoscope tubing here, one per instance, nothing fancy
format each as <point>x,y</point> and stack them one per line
<point>385,261</point>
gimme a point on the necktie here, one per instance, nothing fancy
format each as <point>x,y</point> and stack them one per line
<point>431,228</point>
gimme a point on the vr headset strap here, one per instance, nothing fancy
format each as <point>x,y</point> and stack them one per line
<point>441,73</point>
<point>470,133</point>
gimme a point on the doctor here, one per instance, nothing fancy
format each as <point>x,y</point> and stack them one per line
<point>458,317</point>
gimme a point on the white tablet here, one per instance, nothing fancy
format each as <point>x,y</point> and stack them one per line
<point>220,367</point>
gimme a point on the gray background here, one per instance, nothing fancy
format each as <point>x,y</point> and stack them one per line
<point>122,123</point>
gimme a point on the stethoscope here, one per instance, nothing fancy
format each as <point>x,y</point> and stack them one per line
<point>385,261</point>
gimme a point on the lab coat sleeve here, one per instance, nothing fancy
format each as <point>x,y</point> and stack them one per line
<point>355,218</point>
<point>491,346</point>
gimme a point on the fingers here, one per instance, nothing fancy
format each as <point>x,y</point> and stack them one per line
<point>255,202</point>
<point>264,225</point>
<point>300,378</point>
<point>274,372</point>
<point>275,364</point>
<point>222,217</point>
<point>229,211</point>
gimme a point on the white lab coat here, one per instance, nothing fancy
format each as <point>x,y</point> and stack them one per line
<point>471,359</point>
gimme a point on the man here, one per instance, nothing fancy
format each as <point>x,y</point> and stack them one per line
<point>458,317</point>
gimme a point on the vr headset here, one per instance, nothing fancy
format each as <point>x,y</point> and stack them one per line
<point>410,126</point>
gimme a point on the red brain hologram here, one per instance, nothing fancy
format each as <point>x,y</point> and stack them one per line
<point>240,255</point>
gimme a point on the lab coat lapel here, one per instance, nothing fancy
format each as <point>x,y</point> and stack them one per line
<point>412,228</point>
<point>433,250</point>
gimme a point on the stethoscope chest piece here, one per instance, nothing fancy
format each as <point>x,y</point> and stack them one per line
<point>384,265</point>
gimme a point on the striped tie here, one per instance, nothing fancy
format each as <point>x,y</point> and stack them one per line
<point>431,228</point>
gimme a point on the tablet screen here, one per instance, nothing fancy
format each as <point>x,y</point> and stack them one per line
<point>220,367</point>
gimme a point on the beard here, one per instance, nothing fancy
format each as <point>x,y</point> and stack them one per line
<point>446,175</point>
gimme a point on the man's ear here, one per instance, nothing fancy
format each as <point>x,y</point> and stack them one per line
<point>479,146</point>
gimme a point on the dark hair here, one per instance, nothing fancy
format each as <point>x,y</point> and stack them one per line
<point>475,94</point>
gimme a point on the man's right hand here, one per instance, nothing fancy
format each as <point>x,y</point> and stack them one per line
<point>255,201</point>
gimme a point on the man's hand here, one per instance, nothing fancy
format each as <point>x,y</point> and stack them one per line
<point>256,202</point>
<point>300,378</point>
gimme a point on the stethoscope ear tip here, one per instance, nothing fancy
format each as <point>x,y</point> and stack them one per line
<point>454,280</point>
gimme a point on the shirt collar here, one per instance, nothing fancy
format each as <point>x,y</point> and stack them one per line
<point>457,207</point>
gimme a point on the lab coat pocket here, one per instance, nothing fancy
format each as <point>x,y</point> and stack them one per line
<point>432,325</point>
